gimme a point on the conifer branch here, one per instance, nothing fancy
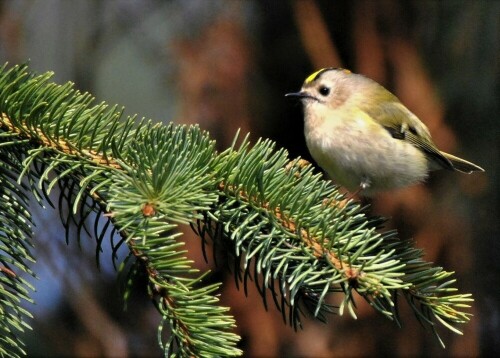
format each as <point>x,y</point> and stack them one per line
<point>288,229</point>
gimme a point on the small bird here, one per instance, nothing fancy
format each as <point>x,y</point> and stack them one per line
<point>364,138</point>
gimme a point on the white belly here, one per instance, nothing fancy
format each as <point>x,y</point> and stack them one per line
<point>353,151</point>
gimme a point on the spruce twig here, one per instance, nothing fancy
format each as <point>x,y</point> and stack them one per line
<point>289,230</point>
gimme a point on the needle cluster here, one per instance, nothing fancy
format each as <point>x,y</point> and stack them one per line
<point>288,229</point>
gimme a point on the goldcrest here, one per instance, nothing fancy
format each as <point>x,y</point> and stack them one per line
<point>364,138</point>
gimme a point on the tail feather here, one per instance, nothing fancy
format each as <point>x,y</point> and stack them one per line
<point>462,165</point>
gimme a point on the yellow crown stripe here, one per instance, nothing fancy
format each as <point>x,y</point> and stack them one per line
<point>314,75</point>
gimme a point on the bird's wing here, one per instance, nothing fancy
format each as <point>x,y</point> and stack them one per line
<point>404,125</point>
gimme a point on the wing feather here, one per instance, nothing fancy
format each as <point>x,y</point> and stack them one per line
<point>402,124</point>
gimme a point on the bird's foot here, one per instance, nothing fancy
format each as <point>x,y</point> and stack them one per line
<point>341,204</point>
<point>365,184</point>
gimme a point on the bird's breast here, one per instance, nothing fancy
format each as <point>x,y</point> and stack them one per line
<point>356,148</point>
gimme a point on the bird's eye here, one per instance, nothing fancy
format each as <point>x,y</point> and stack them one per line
<point>324,91</point>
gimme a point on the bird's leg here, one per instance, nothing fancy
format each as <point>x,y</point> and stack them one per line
<point>365,184</point>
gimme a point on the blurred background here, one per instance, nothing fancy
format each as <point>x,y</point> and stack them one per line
<point>226,64</point>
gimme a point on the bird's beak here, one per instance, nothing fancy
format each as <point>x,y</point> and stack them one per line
<point>300,95</point>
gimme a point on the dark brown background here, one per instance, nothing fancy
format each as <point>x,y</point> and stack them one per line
<point>227,65</point>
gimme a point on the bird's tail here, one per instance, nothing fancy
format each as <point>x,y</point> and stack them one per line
<point>462,165</point>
